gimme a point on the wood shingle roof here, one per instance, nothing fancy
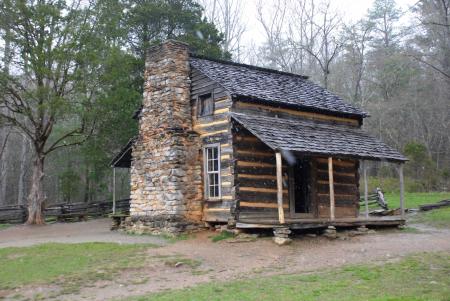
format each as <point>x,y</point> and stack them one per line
<point>318,138</point>
<point>272,86</point>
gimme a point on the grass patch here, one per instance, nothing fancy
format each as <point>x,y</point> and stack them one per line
<point>222,236</point>
<point>4,226</point>
<point>437,218</point>
<point>415,199</point>
<point>68,265</point>
<point>417,277</point>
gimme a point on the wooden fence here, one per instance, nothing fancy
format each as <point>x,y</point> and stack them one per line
<point>18,214</point>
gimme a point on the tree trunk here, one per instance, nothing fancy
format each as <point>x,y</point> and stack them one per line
<point>23,168</point>
<point>4,154</point>
<point>36,198</point>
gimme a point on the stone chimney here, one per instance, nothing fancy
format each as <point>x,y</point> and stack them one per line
<point>166,187</point>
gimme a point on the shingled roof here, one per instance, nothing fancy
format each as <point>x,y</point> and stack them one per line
<point>318,138</point>
<point>272,86</point>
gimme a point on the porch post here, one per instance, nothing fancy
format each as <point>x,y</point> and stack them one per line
<point>366,193</point>
<point>279,187</point>
<point>114,191</point>
<point>402,191</point>
<point>331,183</point>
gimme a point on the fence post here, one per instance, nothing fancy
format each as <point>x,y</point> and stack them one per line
<point>114,191</point>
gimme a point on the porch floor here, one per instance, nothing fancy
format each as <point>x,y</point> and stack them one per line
<point>311,223</point>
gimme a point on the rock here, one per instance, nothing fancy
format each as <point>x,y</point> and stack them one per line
<point>330,235</point>
<point>362,229</point>
<point>178,264</point>
<point>247,235</point>
<point>311,235</point>
<point>371,231</point>
<point>330,232</point>
<point>282,241</point>
<point>237,231</point>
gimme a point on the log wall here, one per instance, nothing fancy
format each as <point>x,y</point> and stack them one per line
<point>346,187</point>
<point>214,129</point>
<point>255,177</point>
<point>272,111</point>
<point>248,169</point>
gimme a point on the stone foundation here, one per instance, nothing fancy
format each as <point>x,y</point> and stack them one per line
<point>166,183</point>
<point>156,225</point>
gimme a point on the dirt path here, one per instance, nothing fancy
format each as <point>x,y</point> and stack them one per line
<point>96,230</point>
<point>223,261</point>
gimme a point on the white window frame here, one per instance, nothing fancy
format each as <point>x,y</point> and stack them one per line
<point>207,173</point>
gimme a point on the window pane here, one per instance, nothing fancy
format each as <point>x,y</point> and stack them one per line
<point>212,172</point>
<point>212,179</point>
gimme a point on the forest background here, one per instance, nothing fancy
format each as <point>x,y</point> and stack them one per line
<point>72,72</point>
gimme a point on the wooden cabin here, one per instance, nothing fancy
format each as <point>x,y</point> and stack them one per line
<point>223,142</point>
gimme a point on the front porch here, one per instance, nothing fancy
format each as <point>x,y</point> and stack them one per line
<point>316,223</point>
<point>315,172</point>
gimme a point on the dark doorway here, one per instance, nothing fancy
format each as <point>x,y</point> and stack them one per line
<point>299,175</point>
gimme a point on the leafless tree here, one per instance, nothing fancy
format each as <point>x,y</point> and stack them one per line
<point>227,16</point>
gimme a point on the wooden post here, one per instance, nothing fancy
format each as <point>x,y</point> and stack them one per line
<point>331,182</point>
<point>402,191</point>
<point>366,193</point>
<point>280,187</point>
<point>114,191</point>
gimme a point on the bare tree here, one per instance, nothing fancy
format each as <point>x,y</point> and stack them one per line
<point>324,42</point>
<point>276,50</point>
<point>227,16</point>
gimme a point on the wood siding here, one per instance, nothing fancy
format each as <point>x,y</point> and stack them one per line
<point>255,180</point>
<point>213,129</point>
<point>272,111</point>
<point>248,169</point>
<point>255,177</point>
<point>346,187</point>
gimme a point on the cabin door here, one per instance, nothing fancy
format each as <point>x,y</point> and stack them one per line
<point>299,179</point>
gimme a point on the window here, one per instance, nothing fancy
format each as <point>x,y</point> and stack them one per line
<point>205,105</point>
<point>212,171</point>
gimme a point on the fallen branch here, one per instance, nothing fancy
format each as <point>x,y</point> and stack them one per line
<point>427,207</point>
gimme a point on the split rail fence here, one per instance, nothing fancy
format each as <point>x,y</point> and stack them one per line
<point>64,212</point>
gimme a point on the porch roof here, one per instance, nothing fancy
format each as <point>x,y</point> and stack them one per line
<point>123,158</point>
<point>317,138</point>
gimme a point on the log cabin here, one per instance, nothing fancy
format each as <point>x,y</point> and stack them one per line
<point>223,142</point>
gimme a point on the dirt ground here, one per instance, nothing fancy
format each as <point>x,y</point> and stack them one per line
<point>96,230</point>
<point>223,261</point>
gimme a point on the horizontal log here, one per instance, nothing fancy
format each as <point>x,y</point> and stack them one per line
<point>250,152</point>
<point>257,196</point>
<point>257,177</point>
<point>257,189</point>
<point>338,189</point>
<point>260,205</point>
<point>337,169</point>
<point>337,162</point>
<point>239,106</point>
<point>322,176</point>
